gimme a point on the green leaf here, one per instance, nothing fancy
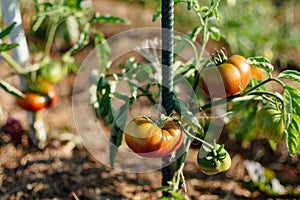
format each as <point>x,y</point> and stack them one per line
<point>188,118</point>
<point>82,41</point>
<point>6,31</point>
<point>261,62</point>
<point>108,19</point>
<point>287,108</point>
<point>10,89</point>
<point>116,132</point>
<point>215,33</point>
<point>102,51</point>
<point>104,101</point>
<point>177,195</point>
<point>6,47</point>
<point>194,34</point>
<point>157,13</point>
<point>291,75</point>
<point>292,132</point>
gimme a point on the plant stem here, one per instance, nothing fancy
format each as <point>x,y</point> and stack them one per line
<point>12,62</point>
<point>51,32</point>
<point>248,92</point>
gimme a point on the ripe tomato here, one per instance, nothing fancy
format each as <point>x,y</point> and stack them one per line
<point>47,89</point>
<point>146,138</point>
<point>53,72</point>
<point>32,101</point>
<point>258,74</point>
<point>269,122</point>
<point>38,96</point>
<point>226,79</point>
<point>213,161</point>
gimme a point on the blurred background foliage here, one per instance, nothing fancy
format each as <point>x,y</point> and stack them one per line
<point>251,27</point>
<point>268,28</point>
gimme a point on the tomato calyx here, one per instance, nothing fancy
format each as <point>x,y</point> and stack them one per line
<point>213,160</point>
<point>220,56</point>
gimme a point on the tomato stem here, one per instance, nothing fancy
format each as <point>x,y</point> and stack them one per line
<point>196,138</point>
<point>248,92</point>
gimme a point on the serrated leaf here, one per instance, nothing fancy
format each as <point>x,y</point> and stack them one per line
<point>108,19</point>
<point>293,136</point>
<point>6,31</point>
<point>287,109</point>
<point>292,75</point>
<point>215,33</point>
<point>10,89</point>
<point>261,62</point>
<point>6,47</point>
<point>116,132</point>
<point>292,132</point>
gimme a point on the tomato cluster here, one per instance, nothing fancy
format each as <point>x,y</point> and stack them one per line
<point>232,75</point>
<point>38,96</point>
<point>149,139</point>
<point>269,122</point>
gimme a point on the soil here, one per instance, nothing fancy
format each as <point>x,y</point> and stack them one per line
<point>64,169</point>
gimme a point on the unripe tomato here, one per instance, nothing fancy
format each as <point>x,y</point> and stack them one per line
<point>53,72</point>
<point>213,161</point>
<point>32,101</point>
<point>269,122</point>
<point>226,79</point>
<point>146,138</point>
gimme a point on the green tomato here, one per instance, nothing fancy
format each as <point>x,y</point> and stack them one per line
<point>53,72</point>
<point>213,161</point>
<point>269,122</point>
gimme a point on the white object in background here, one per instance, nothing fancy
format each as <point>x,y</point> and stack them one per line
<point>11,13</point>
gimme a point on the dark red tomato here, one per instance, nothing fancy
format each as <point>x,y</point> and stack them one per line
<point>146,138</point>
<point>226,79</point>
<point>33,102</point>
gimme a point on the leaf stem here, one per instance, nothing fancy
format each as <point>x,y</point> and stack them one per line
<point>12,62</point>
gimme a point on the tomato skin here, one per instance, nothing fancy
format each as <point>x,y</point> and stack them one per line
<point>269,122</point>
<point>49,90</point>
<point>231,76</point>
<point>32,101</point>
<point>145,138</point>
<point>244,68</point>
<point>213,162</point>
<point>38,96</point>
<point>53,72</point>
<point>257,73</point>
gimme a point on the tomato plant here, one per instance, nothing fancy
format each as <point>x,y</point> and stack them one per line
<point>269,122</point>
<point>153,139</point>
<point>232,75</point>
